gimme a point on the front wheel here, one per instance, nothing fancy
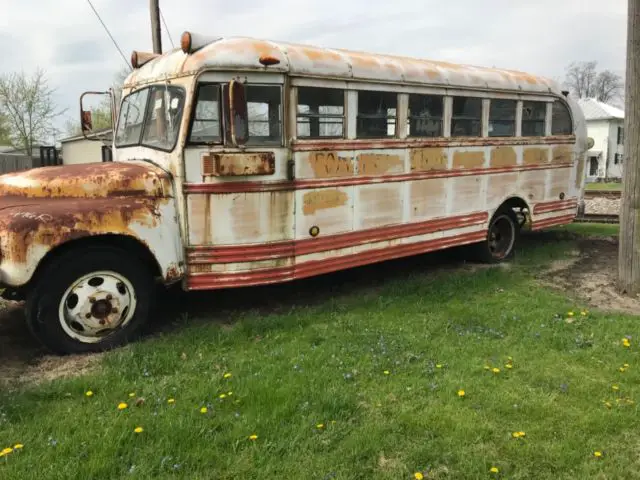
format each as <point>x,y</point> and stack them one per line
<point>502,237</point>
<point>90,300</point>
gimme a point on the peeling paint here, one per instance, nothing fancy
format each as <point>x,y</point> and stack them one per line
<point>330,164</point>
<point>535,156</point>
<point>379,163</point>
<point>562,154</point>
<point>426,159</point>
<point>503,157</point>
<point>323,199</point>
<point>468,159</point>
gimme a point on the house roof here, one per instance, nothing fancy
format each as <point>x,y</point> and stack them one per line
<point>243,53</point>
<point>96,134</point>
<point>596,110</point>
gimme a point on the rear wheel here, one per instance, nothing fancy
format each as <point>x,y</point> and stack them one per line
<point>502,237</point>
<point>90,301</point>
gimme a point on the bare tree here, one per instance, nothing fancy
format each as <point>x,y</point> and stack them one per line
<point>28,106</point>
<point>584,81</point>
<point>4,131</point>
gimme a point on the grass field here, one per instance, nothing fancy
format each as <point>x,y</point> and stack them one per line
<point>603,186</point>
<point>398,371</point>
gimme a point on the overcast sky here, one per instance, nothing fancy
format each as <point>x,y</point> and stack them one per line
<point>538,36</point>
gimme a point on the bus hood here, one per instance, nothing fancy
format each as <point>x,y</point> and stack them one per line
<point>89,180</point>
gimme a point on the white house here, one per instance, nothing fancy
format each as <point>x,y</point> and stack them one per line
<point>78,149</point>
<point>605,124</point>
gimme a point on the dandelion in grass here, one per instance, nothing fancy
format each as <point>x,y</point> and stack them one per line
<point>89,393</point>
<point>438,365</point>
<point>6,451</point>
<point>229,393</point>
<point>222,396</point>
<point>171,401</point>
<point>418,476</point>
<point>122,406</point>
<point>320,426</point>
<point>615,388</point>
<point>622,369</point>
<point>626,342</point>
<point>461,393</point>
<point>597,454</point>
<point>253,437</point>
<point>18,446</point>
<point>508,366</point>
<point>494,470</point>
<point>495,370</point>
<point>203,410</point>
<point>518,434</point>
<point>386,372</point>
<point>138,430</point>
<point>132,394</point>
<point>626,365</point>
<point>583,313</point>
<point>487,367</point>
<point>227,375</point>
<point>607,404</point>
<point>571,314</point>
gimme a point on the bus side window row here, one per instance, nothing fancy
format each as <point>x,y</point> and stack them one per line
<point>321,114</point>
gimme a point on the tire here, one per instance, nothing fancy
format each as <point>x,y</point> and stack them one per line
<point>505,225</point>
<point>90,300</point>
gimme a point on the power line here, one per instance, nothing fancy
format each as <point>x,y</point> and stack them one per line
<point>167,29</point>
<point>109,33</point>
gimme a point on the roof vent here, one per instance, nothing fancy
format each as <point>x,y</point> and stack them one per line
<point>190,42</point>
<point>138,59</point>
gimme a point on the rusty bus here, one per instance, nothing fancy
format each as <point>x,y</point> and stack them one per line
<point>240,162</point>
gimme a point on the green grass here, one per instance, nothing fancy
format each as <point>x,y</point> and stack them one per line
<point>603,186</point>
<point>590,229</point>
<point>317,352</point>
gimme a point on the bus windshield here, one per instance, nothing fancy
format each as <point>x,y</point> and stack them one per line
<point>151,117</point>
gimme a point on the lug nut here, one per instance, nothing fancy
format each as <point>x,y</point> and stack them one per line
<point>114,310</point>
<point>109,297</point>
<point>88,315</point>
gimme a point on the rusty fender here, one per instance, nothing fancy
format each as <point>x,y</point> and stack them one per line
<point>43,208</point>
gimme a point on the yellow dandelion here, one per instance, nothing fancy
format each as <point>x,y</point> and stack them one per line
<point>18,446</point>
<point>583,313</point>
<point>626,365</point>
<point>626,343</point>
<point>226,375</point>
<point>615,387</point>
<point>171,401</point>
<point>494,470</point>
<point>122,406</point>
<point>495,370</point>
<point>597,454</point>
<point>253,437</point>
<point>7,451</point>
<point>508,365</point>
<point>229,393</point>
<point>418,476</point>
<point>439,365</point>
<point>89,393</point>
<point>607,404</point>
<point>386,372</point>
<point>138,429</point>
<point>461,393</point>
<point>320,426</point>
<point>203,410</point>
<point>570,314</point>
<point>132,394</point>
<point>622,369</point>
<point>518,434</point>
<point>487,367</point>
<point>222,395</point>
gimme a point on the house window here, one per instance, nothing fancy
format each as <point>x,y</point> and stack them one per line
<point>320,112</point>
<point>560,119</point>
<point>617,159</point>
<point>593,166</point>
<point>376,114</point>
<point>425,115</point>
<point>466,120</point>
<point>620,135</point>
<point>502,118</point>
<point>533,119</point>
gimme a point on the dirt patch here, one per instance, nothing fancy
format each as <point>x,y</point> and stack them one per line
<point>23,360</point>
<point>591,275</point>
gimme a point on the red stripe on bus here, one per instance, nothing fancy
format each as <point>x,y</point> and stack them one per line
<point>206,281</point>
<point>270,251</point>
<point>261,186</point>
<point>546,207</point>
<point>552,222</point>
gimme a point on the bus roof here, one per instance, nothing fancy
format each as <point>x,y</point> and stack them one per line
<point>243,54</point>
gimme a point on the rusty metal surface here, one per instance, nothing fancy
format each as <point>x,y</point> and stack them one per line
<point>238,164</point>
<point>242,53</point>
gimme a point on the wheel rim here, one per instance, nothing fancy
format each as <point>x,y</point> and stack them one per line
<point>501,237</point>
<point>97,305</point>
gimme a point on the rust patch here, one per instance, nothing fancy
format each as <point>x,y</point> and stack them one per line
<point>468,159</point>
<point>91,180</point>
<point>330,164</point>
<point>535,156</point>
<point>239,164</point>
<point>562,154</point>
<point>174,273</point>
<point>503,157</point>
<point>323,199</point>
<point>378,163</point>
<point>426,159</point>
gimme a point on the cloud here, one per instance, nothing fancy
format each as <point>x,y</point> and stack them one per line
<point>541,37</point>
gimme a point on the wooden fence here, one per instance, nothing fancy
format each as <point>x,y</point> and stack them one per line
<point>16,163</point>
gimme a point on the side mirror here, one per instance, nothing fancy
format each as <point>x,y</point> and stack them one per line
<point>238,119</point>
<point>590,143</point>
<point>104,118</point>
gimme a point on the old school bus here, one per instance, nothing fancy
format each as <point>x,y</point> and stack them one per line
<point>243,162</point>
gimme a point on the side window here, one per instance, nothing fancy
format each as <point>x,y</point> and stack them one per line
<point>534,116</point>
<point>164,114</point>
<point>376,114</point>
<point>502,118</point>
<point>206,127</point>
<point>561,119</point>
<point>131,116</point>
<point>264,106</point>
<point>425,115</point>
<point>320,112</point>
<point>466,120</point>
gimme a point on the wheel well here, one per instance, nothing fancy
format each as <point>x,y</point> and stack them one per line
<point>124,242</point>
<point>519,207</point>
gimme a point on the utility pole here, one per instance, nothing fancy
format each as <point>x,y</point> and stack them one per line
<point>629,250</point>
<point>156,32</point>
